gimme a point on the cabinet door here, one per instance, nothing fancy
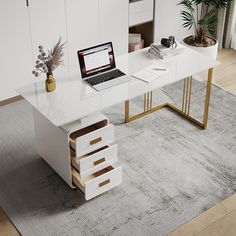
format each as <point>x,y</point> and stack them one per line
<point>114,24</point>
<point>15,47</point>
<point>48,23</point>
<point>83,27</point>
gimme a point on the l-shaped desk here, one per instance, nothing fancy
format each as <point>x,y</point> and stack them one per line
<point>70,131</point>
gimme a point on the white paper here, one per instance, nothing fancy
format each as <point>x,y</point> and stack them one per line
<point>151,73</point>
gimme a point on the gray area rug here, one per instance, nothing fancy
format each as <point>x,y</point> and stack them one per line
<point>172,171</point>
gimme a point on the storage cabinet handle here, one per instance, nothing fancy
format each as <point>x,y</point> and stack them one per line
<point>99,161</point>
<point>96,140</point>
<point>105,182</point>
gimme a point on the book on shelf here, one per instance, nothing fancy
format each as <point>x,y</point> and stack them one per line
<point>135,42</point>
<point>163,52</point>
<point>134,38</point>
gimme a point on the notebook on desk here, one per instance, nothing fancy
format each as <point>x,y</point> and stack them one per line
<point>98,68</point>
<point>151,73</point>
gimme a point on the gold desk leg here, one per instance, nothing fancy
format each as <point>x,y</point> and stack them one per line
<point>189,95</point>
<point>144,102</point>
<point>148,108</point>
<point>127,111</point>
<point>148,101</point>
<point>208,96</point>
<point>186,95</point>
<point>151,101</point>
<point>184,92</point>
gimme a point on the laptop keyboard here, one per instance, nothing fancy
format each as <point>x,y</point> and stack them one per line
<point>105,77</point>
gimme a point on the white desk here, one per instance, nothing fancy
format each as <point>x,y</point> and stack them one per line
<point>73,100</point>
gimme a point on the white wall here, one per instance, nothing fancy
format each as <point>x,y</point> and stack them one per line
<point>168,20</point>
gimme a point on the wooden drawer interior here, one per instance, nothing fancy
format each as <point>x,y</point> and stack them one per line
<point>80,183</point>
<point>88,129</point>
<point>75,160</point>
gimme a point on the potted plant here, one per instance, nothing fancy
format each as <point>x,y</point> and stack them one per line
<point>48,62</point>
<point>202,15</point>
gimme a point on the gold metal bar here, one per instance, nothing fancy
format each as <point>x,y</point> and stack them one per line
<point>189,95</point>
<point>186,96</point>
<point>186,102</point>
<point>96,140</point>
<point>192,119</point>
<point>105,182</point>
<point>97,162</point>
<point>183,102</point>
<point>135,117</point>
<point>151,101</point>
<point>208,96</point>
<point>145,102</point>
<point>168,105</point>
<point>127,111</point>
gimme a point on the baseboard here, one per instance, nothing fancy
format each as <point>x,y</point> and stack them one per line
<point>10,100</point>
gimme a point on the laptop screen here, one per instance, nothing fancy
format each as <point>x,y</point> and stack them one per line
<point>96,59</point>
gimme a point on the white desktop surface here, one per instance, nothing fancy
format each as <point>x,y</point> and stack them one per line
<point>73,100</point>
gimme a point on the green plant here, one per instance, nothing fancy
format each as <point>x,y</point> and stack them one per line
<point>202,15</point>
<point>47,63</point>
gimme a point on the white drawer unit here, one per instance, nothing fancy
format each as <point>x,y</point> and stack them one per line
<point>95,161</point>
<point>140,11</point>
<point>99,182</point>
<point>92,137</point>
<point>93,155</point>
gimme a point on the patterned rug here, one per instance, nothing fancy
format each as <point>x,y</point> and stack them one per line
<point>172,170</point>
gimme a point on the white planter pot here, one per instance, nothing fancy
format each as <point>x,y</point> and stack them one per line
<point>207,51</point>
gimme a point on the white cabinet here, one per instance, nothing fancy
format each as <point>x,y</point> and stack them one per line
<point>15,48</point>
<point>92,22</point>
<point>47,24</point>
<point>114,17</point>
<point>80,23</point>
<point>168,20</point>
<point>140,12</point>
<point>83,27</point>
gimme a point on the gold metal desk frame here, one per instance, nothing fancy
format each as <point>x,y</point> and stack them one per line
<point>148,108</point>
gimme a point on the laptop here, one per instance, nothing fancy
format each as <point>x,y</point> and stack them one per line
<point>98,68</point>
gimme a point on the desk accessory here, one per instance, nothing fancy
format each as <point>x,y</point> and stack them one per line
<point>161,51</point>
<point>169,42</point>
<point>151,73</point>
<point>48,63</point>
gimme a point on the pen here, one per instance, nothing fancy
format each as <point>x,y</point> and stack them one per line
<point>158,69</point>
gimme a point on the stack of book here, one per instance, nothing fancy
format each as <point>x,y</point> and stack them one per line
<point>135,42</point>
<point>164,52</point>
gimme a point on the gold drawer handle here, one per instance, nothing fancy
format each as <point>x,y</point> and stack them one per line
<point>96,140</point>
<point>105,182</point>
<point>99,161</point>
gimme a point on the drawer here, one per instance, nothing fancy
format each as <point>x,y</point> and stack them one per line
<point>92,137</point>
<point>99,182</point>
<point>140,12</point>
<point>95,161</point>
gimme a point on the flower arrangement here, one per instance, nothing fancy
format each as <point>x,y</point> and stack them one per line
<point>48,62</point>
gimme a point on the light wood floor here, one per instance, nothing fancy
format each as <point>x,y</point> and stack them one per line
<point>220,220</point>
<point>6,227</point>
<point>225,74</point>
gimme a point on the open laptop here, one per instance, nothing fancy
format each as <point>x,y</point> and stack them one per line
<point>98,68</point>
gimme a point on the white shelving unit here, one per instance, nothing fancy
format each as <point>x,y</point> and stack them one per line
<point>141,19</point>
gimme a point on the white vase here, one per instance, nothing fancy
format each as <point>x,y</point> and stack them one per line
<point>210,51</point>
